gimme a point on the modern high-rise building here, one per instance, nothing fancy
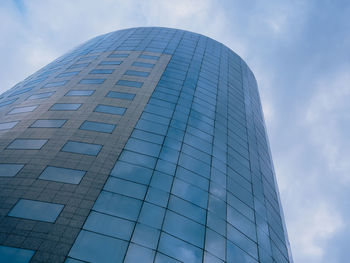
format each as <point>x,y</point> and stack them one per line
<point>141,145</point>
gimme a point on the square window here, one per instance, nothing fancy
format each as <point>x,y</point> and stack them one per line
<point>82,148</point>
<point>26,144</point>
<point>120,95</point>
<point>65,106</point>
<point>97,126</point>
<point>48,123</point>
<point>36,210</point>
<point>110,109</point>
<point>23,109</point>
<point>63,175</point>
<point>9,170</point>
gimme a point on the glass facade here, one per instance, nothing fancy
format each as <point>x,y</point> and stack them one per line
<point>162,156</point>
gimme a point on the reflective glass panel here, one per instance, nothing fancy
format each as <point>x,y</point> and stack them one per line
<point>80,93</point>
<point>97,126</point>
<point>8,125</point>
<point>63,175</point>
<point>110,109</point>
<point>82,148</point>
<point>92,81</point>
<point>23,109</point>
<point>27,144</point>
<point>41,95</point>
<point>7,169</point>
<point>48,123</point>
<point>120,95</point>
<point>65,106</point>
<point>129,83</point>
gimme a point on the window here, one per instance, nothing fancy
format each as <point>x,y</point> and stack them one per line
<point>36,210</point>
<point>20,91</point>
<point>23,109</point>
<point>7,169</point>
<point>124,187</point>
<point>65,106</point>
<point>63,175</point>
<point>97,126</point>
<point>8,125</point>
<point>80,65</point>
<point>111,62</point>
<point>80,93</point>
<point>8,102</point>
<point>55,84</point>
<point>120,95</point>
<point>48,123</point>
<point>143,64</point>
<point>149,57</point>
<point>87,58</point>
<point>92,81</point>
<point>110,109</point>
<point>136,73</point>
<point>41,95</point>
<point>68,74</point>
<point>27,144</point>
<point>101,71</point>
<point>13,254</point>
<point>82,148</point>
<point>128,83</point>
<point>118,55</point>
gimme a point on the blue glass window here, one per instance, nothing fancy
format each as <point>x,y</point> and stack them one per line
<point>63,175</point>
<point>9,169</point>
<point>8,102</point>
<point>80,65</point>
<point>152,215</point>
<point>8,125</point>
<point>143,147</point>
<point>41,95</point>
<point>65,106</point>
<point>48,123</point>
<point>118,55</point>
<point>120,95</point>
<point>235,254</point>
<point>80,93</point>
<point>56,84</point>
<point>136,73</point>
<point>92,81</point>
<point>149,57</point>
<point>138,253</point>
<point>187,209</point>
<point>13,254</point>
<point>242,241</point>
<point>111,62</point>
<point>109,225</point>
<point>129,83</point>
<point>92,247</point>
<point>82,148</point>
<point>110,109</point>
<point>27,144</point>
<point>118,205</point>
<point>36,210</point>
<point>143,64</point>
<point>20,91</point>
<point>87,58</point>
<point>132,172</point>
<point>23,109</point>
<point>138,159</point>
<point>97,126</point>
<point>146,236</point>
<point>101,71</point>
<point>68,74</point>
<point>127,188</point>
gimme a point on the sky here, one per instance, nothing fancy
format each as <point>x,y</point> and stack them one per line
<point>299,53</point>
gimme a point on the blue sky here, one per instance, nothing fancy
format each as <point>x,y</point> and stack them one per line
<point>299,53</point>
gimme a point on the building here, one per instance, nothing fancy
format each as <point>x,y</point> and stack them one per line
<point>141,145</point>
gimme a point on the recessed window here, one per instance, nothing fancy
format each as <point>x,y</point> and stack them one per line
<point>48,123</point>
<point>23,109</point>
<point>143,64</point>
<point>97,126</point>
<point>8,125</point>
<point>101,71</point>
<point>35,81</point>
<point>129,83</point>
<point>82,148</point>
<point>118,55</point>
<point>80,93</point>
<point>8,102</point>
<point>36,210</point>
<point>68,74</point>
<point>120,95</point>
<point>63,175</point>
<point>27,144</point>
<point>79,65</point>
<point>41,95</point>
<point>92,81</point>
<point>136,73</point>
<point>87,58</point>
<point>65,106</point>
<point>9,169</point>
<point>20,91</point>
<point>149,57</point>
<point>112,62</point>
<point>13,254</point>
<point>56,84</point>
<point>110,109</point>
